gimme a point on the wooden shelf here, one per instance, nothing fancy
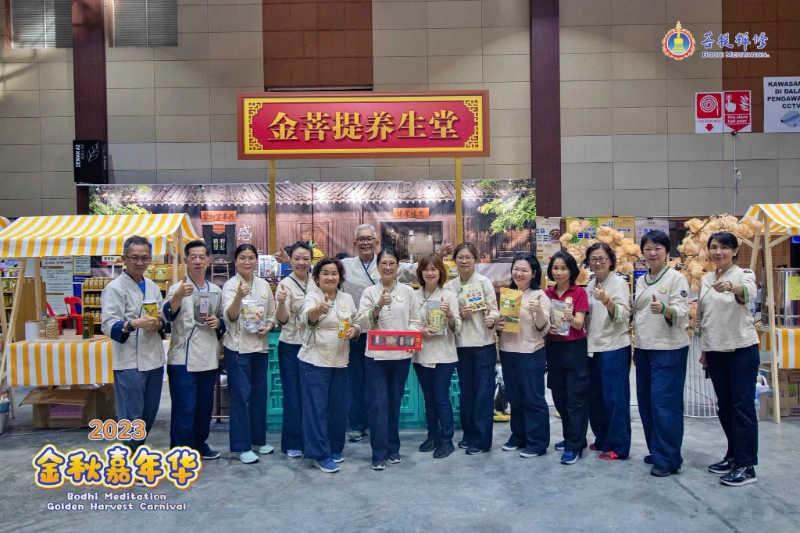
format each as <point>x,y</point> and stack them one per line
<point>93,306</point>
<point>92,290</point>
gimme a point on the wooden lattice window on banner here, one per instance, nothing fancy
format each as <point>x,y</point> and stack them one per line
<point>320,236</point>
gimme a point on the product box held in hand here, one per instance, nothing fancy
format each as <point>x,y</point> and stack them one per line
<point>378,340</point>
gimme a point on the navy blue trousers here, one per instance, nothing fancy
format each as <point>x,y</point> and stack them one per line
<point>476,378</point>
<point>734,377</point>
<point>138,395</point>
<point>192,395</point>
<point>523,375</point>
<point>247,385</point>
<point>568,377</point>
<point>325,404</point>
<point>292,425</point>
<point>386,384</point>
<point>610,404</point>
<point>435,385</point>
<point>660,376</point>
<point>358,407</point>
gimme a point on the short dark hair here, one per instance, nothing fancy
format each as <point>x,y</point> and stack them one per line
<point>196,244</point>
<point>725,238</point>
<point>437,262</point>
<point>325,261</point>
<point>387,251</point>
<point>612,255</point>
<point>342,255</point>
<point>572,266</point>
<point>468,246</point>
<point>656,237</point>
<point>299,244</point>
<point>136,240</point>
<point>242,248</point>
<point>536,280</point>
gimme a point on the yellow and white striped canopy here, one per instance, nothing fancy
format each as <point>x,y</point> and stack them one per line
<point>4,222</point>
<point>90,234</point>
<point>784,219</point>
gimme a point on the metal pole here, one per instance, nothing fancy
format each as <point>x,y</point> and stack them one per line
<point>273,221</point>
<point>459,214</point>
<point>736,175</point>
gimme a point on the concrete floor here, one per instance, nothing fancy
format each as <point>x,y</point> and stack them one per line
<point>497,492</point>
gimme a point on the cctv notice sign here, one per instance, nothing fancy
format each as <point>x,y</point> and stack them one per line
<point>782,104</point>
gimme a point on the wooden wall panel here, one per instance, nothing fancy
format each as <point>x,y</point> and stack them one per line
<point>545,107</point>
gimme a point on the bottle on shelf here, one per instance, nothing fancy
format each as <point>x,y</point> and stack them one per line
<point>43,326</point>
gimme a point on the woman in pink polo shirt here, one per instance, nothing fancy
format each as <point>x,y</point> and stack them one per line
<point>568,372</point>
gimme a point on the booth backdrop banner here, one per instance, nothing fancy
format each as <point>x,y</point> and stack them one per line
<point>586,234</point>
<point>645,225</point>
<point>414,218</point>
<point>353,125</point>
<point>625,225</point>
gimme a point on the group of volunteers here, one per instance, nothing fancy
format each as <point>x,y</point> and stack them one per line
<point>579,338</point>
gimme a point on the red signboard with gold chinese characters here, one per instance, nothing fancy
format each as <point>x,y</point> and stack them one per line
<point>363,125</point>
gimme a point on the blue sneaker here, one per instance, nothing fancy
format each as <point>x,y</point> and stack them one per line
<point>559,447</point>
<point>327,465</point>
<point>294,454</point>
<point>569,458</point>
<point>337,458</point>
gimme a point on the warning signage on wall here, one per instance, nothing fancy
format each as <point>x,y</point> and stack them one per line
<point>708,112</point>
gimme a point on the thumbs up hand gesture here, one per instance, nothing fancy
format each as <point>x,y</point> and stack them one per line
<point>721,285</point>
<point>535,306</point>
<point>445,308</point>
<point>385,299</point>
<point>186,287</point>
<point>656,306</point>
<point>242,290</point>
<point>281,296</point>
<point>600,294</point>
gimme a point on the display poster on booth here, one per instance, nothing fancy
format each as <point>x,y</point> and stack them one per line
<point>57,276</point>
<point>782,104</point>
<point>548,231</point>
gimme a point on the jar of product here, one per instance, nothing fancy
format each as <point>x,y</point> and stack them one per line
<point>51,330</point>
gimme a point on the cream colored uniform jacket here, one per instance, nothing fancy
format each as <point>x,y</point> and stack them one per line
<point>401,315</point>
<point>529,339</point>
<point>654,332</point>
<point>292,331</point>
<point>439,348</point>
<point>726,323</point>
<point>357,278</point>
<point>237,338</point>
<point>474,332</point>
<point>321,344</point>
<point>606,333</point>
<point>122,300</point>
<point>191,344</point>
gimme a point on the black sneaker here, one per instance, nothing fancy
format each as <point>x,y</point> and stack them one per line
<point>741,475</point>
<point>662,471</point>
<point>512,444</point>
<point>530,452</point>
<point>463,444</point>
<point>428,446</point>
<point>474,450</point>
<point>648,460</point>
<point>723,467</point>
<point>379,465</point>
<point>394,459</point>
<point>559,447</point>
<point>444,449</point>
<point>210,455</point>
<point>356,436</point>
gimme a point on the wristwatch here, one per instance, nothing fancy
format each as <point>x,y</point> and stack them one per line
<point>377,307</point>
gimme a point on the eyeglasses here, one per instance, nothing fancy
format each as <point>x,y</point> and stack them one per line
<point>598,260</point>
<point>388,265</point>
<point>246,260</point>
<point>365,239</point>
<point>465,258</point>
<point>139,260</point>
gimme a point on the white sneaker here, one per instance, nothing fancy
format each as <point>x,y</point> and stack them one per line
<point>247,457</point>
<point>263,450</point>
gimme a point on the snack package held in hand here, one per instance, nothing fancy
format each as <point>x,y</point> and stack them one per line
<point>436,317</point>
<point>344,327</point>
<point>557,308</point>
<point>150,307</point>
<point>205,305</point>
<point>473,294</point>
<point>510,307</point>
<point>452,269</point>
<point>253,311</point>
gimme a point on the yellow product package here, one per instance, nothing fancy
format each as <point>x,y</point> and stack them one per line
<point>510,307</point>
<point>452,269</point>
